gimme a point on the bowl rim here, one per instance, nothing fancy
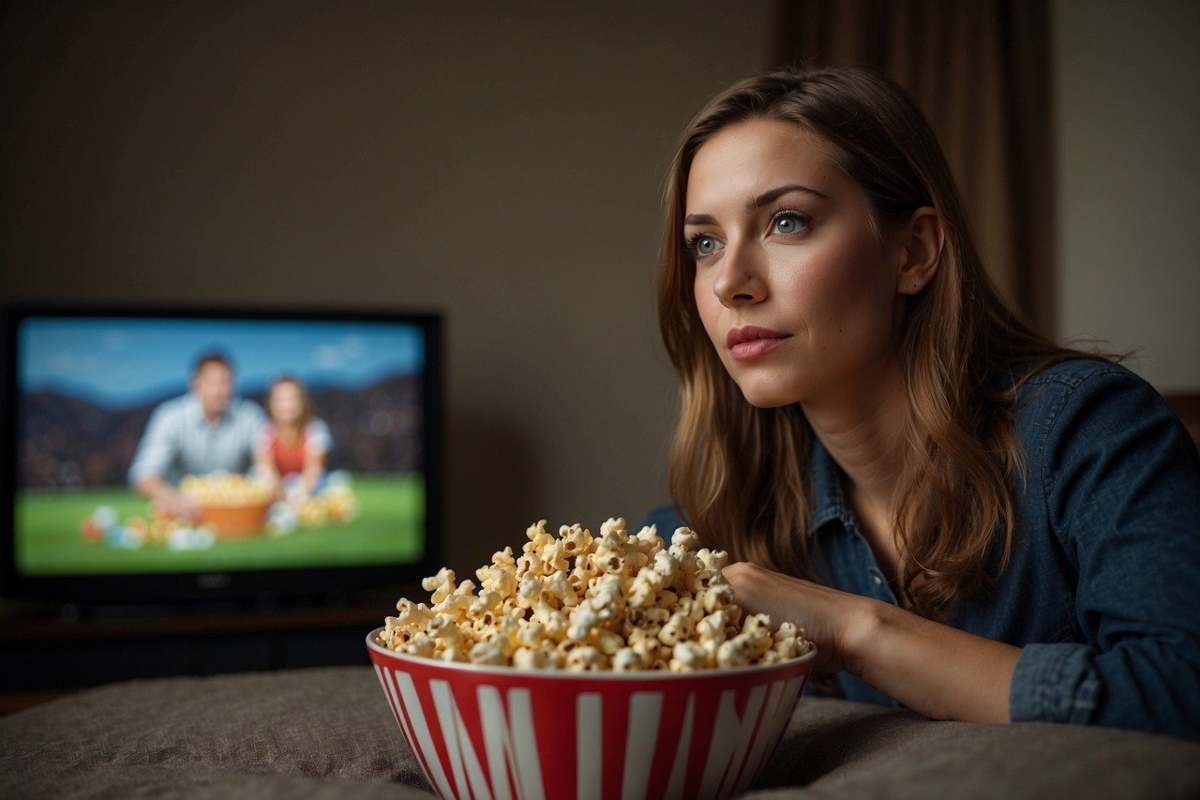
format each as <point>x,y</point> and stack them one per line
<point>655,675</point>
<point>238,506</point>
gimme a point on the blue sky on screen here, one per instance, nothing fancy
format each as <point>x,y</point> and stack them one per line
<point>120,362</point>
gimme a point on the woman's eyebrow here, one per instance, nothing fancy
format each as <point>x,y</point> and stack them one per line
<point>767,197</point>
<point>757,202</point>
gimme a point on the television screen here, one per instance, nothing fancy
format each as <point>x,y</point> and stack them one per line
<point>218,443</point>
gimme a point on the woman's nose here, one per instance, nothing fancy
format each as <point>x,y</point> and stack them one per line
<point>739,279</point>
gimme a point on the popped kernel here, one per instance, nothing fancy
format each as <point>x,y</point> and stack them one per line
<point>586,659</point>
<point>626,660</point>
<point>531,658</point>
<point>687,657</point>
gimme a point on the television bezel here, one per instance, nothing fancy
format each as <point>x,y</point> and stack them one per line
<point>186,587</point>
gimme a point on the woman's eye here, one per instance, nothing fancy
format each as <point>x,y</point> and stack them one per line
<point>789,222</point>
<point>703,245</point>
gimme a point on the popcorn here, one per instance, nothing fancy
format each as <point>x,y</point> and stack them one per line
<point>717,596</point>
<point>558,589</point>
<point>554,622</point>
<point>487,601</point>
<point>578,602</point>
<point>677,629</point>
<point>583,619</point>
<point>641,592</point>
<point>225,489</point>
<point>626,660</point>
<point>445,632</point>
<point>713,626</point>
<point>488,652</point>
<point>441,585</point>
<point>585,659</point>
<point>684,538</point>
<point>688,657</point>
<point>736,652</point>
<point>526,658</point>
<point>411,614</point>
<point>421,645</point>
<point>714,560</point>
<point>608,642</point>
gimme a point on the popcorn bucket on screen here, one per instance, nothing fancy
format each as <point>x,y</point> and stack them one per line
<point>236,521</point>
<point>500,732</point>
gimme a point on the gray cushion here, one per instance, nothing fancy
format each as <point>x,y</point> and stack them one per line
<point>329,733</point>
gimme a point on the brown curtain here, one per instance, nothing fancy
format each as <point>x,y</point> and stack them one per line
<point>980,71</point>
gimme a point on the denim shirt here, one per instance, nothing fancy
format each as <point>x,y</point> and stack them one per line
<point>1102,592</point>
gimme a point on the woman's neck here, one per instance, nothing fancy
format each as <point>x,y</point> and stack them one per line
<point>287,430</point>
<point>863,431</point>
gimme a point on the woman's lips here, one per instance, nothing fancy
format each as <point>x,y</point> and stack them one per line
<point>752,341</point>
<point>755,348</point>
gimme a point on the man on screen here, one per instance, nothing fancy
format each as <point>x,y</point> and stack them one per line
<point>204,431</point>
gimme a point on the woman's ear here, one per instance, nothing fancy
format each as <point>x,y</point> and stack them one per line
<point>920,250</point>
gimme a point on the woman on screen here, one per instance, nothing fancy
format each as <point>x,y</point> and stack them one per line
<point>291,450</point>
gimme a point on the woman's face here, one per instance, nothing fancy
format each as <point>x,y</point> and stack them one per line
<point>286,405</point>
<point>782,241</point>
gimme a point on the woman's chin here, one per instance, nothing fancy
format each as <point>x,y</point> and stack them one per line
<point>763,396</point>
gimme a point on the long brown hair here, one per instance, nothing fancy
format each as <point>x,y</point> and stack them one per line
<point>738,472</point>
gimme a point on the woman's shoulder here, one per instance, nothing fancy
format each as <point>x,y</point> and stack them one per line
<point>1071,372</point>
<point>317,436</point>
<point>1081,405</point>
<point>1092,382</point>
<point>316,427</point>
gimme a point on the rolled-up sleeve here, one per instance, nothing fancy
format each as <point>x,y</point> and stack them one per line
<point>156,448</point>
<point>1121,480</point>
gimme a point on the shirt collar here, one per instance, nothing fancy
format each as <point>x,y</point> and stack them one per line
<point>191,405</point>
<point>827,500</point>
<point>196,411</point>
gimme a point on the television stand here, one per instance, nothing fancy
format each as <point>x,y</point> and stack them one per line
<point>52,651</point>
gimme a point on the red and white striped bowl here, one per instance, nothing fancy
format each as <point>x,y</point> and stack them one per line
<point>501,732</point>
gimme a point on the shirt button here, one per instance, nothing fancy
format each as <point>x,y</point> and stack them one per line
<point>878,580</point>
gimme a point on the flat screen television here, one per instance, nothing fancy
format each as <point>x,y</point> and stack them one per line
<point>171,455</point>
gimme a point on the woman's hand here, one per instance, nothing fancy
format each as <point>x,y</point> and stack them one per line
<point>838,623</point>
<point>932,668</point>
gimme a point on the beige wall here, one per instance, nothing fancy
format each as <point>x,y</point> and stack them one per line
<point>504,169</point>
<point>1128,141</point>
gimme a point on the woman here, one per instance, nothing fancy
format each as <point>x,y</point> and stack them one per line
<point>290,454</point>
<point>967,519</point>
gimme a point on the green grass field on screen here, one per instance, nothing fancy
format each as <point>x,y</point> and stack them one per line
<point>388,529</point>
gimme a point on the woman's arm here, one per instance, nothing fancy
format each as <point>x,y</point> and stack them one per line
<point>1121,483</point>
<point>934,669</point>
<point>316,445</point>
<point>314,467</point>
<point>264,465</point>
